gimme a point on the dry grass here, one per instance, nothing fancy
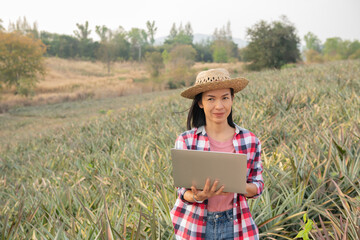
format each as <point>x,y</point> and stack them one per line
<point>71,80</point>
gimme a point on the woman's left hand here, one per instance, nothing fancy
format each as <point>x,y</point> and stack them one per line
<point>207,191</point>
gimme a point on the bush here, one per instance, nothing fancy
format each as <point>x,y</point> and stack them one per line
<point>220,55</point>
<point>154,63</point>
<point>355,55</point>
<point>183,55</point>
<point>289,65</point>
<point>21,60</point>
<point>313,56</point>
<point>179,73</point>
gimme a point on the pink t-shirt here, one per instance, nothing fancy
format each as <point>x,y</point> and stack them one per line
<point>222,202</point>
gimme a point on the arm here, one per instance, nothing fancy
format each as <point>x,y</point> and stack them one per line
<point>182,192</point>
<point>251,190</point>
<point>255,182</point>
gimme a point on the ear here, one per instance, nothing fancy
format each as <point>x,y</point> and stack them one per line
<point>200,104</point>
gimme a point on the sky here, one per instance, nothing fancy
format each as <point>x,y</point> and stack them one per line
<point>324,18</point>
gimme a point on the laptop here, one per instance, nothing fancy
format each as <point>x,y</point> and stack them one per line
<point>192,167</point>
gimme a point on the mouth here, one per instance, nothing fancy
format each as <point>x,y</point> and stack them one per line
<point>219,114</point>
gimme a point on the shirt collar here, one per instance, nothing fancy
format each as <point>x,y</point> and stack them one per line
<point>203,131</point>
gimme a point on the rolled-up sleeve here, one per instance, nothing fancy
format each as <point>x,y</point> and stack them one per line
<point>181,144</point>
<point>255,175</point>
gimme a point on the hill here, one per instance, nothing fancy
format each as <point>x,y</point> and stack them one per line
<point>199,37</point>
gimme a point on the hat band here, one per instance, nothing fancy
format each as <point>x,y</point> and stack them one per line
<point>211,79</point>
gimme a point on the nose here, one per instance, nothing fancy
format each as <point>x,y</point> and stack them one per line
<point>219,104</point>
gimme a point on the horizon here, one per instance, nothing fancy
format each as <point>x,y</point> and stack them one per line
<point>242,42</point>
<point>307,16</point>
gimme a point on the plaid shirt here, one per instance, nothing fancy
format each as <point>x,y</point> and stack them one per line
<point>189,219</point>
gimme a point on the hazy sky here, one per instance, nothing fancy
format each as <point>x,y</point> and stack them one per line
<point>325,18</point>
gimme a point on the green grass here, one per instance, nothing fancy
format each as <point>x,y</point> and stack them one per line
<point>22,123</point>
<point>107,174</point>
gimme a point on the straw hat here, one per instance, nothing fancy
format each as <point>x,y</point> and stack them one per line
<point>213,79</point>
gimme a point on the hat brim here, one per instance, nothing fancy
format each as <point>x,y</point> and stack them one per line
<point>237,84</point>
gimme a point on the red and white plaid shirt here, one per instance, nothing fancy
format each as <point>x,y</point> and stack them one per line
<point>189,219</point>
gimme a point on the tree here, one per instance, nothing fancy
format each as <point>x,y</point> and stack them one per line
<point>1,26</point>
<point>103,32</point>
<point>151,31</point>
<point>272,45</point>
<point>182,55</point>
<point>154,63</point>
<point>313,48</point>
<point>23,27</point>
<point>220,54</point>
<point>138,39</point>
<point>313,56</point>
<point>173,31</point>
<point>106,51</point>
<point>83,31</point>
<point>355,55</point>
<point>354,50</point>
<point>337,49</point>
<point>203,51</point>
<point>21,61</point>
<point>312,42</point>
<point>165,56</point>
<point>223,46</point>
<point>181,59</point>
<point>63,46</point>
<point>122,46</point>
<point>85,43</point>
<point>333,49</point>
<point>180,36</point>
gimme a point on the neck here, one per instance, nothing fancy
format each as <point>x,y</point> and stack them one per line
<point>219,131</point>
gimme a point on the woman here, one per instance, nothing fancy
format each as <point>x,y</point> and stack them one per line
<point>212,213</point>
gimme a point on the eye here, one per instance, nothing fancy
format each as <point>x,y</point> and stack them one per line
<point>210,99</point>
<point>226,98</point>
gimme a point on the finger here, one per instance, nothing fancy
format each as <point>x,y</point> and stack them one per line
<point>193,189</point>
<point>207,185</point>
<point>220,191</point>
<point>214,186</point>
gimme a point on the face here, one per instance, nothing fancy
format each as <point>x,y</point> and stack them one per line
<point>217,105</point>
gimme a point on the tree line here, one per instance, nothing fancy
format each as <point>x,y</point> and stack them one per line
<point>128,45</point>
<point>132,45</point>
<point>332,49</point>
<point>270,45</point>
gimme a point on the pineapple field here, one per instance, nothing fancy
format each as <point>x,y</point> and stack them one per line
<point>110,176</point>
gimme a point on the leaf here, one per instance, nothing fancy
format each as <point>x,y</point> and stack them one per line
<point>301,234</point>
<point>305,217</point>
<point>340,149</point>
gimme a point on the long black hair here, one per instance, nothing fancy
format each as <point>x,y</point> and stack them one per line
<point>196,116</point>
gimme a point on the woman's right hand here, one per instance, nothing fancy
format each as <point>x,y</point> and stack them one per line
<point>208,191</point>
